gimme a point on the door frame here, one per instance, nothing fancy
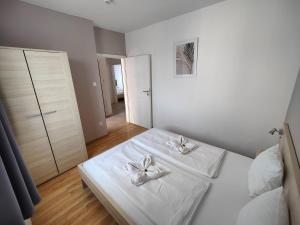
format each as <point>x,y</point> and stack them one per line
<point>100,55</point>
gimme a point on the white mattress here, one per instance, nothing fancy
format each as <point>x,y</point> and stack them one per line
<point>226,196</point>
<point>156,200</point>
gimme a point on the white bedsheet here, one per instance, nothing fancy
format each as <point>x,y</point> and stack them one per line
<point>171,199</point>
<point>205,160</point>
<point>228,193</point>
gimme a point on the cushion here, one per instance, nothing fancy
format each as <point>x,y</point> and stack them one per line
<point>266,209</point>
<point>266,172</point>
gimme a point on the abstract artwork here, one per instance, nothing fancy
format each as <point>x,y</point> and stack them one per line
<point>185,58</point>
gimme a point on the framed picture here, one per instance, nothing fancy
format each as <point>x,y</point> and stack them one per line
<point>185,57</point>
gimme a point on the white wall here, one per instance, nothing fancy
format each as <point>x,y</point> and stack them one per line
<point>249,57</point>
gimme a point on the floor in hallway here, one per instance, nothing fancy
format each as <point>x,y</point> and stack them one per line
<point>118,119</point>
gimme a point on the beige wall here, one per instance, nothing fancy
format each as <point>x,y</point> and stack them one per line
<point>28,26</point>
<point>109,42</point>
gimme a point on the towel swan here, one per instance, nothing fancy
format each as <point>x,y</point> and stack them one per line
<point>144,170</point>
<point>181,144</point>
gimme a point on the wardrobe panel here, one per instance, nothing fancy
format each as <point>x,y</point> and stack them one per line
<point>18,96</point>
<point>53,84</point>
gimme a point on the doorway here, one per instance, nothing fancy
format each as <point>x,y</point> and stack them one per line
<point>112,91</point>
<point>126,90</point>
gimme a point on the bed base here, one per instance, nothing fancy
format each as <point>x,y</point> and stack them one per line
<point>114,210</point>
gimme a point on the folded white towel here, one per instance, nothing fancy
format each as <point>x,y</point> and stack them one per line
<point>182,144</point>
<point>144,171</point>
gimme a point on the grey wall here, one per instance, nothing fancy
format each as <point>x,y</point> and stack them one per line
<point>29,26</point>
<point>109,42</point>
<point>248,61</point>
<point>293,117</point>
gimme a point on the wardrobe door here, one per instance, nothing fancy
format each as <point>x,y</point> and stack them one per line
<point>17,94</point>
<point>53,84</point>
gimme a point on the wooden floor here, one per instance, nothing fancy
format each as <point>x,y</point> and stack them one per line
<point>63,199</point>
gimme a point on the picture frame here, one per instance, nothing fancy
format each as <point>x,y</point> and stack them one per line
<point>185,55</point>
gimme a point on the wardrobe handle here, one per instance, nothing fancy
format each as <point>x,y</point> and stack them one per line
<point>50,112</point>
<point>33,115</point>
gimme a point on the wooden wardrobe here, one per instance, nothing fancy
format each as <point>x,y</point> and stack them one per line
<point>37,91</point>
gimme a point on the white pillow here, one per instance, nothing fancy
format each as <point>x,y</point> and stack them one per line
<point>266,172</point>
<point>269,208</point>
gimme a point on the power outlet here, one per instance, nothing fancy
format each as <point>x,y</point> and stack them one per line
<point>100,123</point>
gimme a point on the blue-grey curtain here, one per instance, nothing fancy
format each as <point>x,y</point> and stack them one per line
<point>18,194</point>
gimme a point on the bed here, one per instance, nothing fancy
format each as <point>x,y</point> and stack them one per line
<point>227,194</point>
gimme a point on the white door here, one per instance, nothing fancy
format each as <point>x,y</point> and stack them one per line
<point>137,87</point>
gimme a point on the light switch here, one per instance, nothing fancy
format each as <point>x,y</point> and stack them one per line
<point>94,84</point>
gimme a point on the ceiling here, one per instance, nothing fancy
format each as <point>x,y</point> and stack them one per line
<point>123,15</point>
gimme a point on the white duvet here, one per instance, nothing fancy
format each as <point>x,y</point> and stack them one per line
<point>169,200</point>
<point>204,160</point>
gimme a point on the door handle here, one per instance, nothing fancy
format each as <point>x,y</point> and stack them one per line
<point>147,92</point>
<point>33,115</point>
<point>50,112</point>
